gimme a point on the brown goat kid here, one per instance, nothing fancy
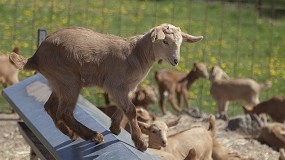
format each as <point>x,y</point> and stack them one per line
<point>273,134</point>
<point>274,107</point>
<point>72,58</point>
<point>179,83</point>
<point>8,71</point>
<point>142,97</point>
<point>142,115</point>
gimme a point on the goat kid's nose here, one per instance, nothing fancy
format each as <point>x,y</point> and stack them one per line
<point>164,143</point>
<point>175,61</point>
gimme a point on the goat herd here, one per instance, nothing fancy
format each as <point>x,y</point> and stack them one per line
<point>72,58</point>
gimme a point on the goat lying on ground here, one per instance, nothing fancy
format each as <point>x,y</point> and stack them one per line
<point>222,90</point>
<point>72,58</point>
<point>179,83</point>
<point>273,134</point>
<point>142,115</point>
<point>180,144</point>
<point>164,155</point>
<point>142,97</point>
<point>274,107</point>
<point>8,71</point>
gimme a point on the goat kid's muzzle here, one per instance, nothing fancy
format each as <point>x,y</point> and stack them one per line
<point>173,61</point>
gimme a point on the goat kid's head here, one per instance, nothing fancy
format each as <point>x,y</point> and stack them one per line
<point>201,70</point>
<point>157,132</point>
<point>167,39</point>
<point>217,73</point>
<point>143,115</point>
<point>146,94</point>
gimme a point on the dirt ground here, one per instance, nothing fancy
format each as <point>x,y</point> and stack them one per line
<point>12,144</point>
<point>14,147</point>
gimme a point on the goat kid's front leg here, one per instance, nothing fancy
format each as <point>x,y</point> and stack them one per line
<point>171,101</point>
<point>222,110</point>
<point>185,97</point>
<point>130,111</point>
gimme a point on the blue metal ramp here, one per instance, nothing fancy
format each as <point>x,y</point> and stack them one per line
<point>28,98</point>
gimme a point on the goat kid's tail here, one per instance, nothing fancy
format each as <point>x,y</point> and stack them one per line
<point>212,125</point>
<point>266,85</point>
<point>21,62</point>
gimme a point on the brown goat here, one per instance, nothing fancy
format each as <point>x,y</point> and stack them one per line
<point>142,97</point>
<point>72,58</point>
<point>273,134</point>
<point>274,107</point>
<point>142,115</point>
<point>179,83</point>
<point>8,71</point>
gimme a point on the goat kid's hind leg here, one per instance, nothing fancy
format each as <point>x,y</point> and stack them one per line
<point>51,108</point>
<point>171,101</point>
<point>67,103</point>
<point>161,101</point>
<point>130,111</point>
<point>116,120</point>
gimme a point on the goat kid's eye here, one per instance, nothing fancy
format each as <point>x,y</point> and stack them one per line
<point>165,42</point>
<point>153,131</point>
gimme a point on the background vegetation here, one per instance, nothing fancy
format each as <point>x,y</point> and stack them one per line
<point>246,42</point>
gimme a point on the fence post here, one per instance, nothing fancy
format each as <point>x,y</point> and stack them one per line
<point>42,32</point>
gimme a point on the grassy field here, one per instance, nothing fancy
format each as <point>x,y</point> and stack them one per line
<point>242,43</point>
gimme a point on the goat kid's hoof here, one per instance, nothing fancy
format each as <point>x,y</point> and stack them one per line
<point>140,145</point>
<point>115,130</point>
<point>73,136</point>
<point>97,137</point>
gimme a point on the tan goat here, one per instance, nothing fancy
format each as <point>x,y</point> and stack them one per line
<point>180,144</point>
<point>273,134</point>
<point>224,90</point>
<point>72,58</point>
<point>274,107</point>
<point>8,71</point>
<point>179,83</point>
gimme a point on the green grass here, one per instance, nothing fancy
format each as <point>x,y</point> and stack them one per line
<point>244,44</point>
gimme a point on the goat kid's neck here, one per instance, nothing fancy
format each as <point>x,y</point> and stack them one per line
<point>142,54</point>
<point>191,78</point>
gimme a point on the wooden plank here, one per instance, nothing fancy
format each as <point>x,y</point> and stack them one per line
<point>28,98</point>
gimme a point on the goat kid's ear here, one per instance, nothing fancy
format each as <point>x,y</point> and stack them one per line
<point>225,75</point>
<point>189,38</point>
<point>144,126</point>
<point>173,123</point>
<point>194,66</point>
<point>157,34</point>
<point>141,96</point>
